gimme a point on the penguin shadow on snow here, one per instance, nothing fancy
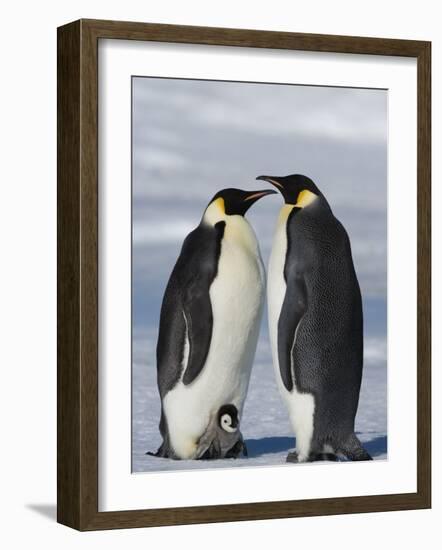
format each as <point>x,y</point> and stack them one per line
<point>279,444</point>
<point>269,445</point>
<point>376,446</point>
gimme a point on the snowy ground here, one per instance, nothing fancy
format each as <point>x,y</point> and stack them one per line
<point>265,424</point>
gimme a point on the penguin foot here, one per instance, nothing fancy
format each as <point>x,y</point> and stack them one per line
<point>237,450</point>
<point>352,449</point>
<point>356,456</point>
<point>212,452</point>
<point>150,453</point>
<point>316,457</point>
<point>160,453</point>
<point>292,457</point>
<point>164,451</point>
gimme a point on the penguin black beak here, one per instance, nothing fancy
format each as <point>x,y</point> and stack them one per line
<point>274,180</point>
<point>253,196</point>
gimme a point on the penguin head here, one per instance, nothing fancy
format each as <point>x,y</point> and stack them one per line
<point>296,189</point>
<point>234,202</point>
<point>228,418</point>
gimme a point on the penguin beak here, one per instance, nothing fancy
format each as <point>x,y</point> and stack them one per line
<point>253,196</point>
<point>274,180</point>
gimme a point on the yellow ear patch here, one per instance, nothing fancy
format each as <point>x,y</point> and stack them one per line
<point>305,198</point>
<point>219,203</point>
<point>215,212</point>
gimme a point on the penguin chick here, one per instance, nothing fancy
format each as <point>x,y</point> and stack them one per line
<point>222,438</point>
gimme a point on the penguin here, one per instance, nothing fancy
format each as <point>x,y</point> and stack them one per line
<point>222,437</point>
<point>208,331</point>
<point>315,323</point>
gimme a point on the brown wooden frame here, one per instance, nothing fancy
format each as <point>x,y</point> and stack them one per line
<point>77,223</point>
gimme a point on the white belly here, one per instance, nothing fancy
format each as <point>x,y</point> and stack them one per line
<point>300,405</point>
<point>236,296</point>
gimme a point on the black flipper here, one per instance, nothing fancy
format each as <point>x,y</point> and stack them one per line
<point>198,309</point>
<point>186,311</point>
<point>199,322</point>
<point>293,307</point>
<point>292,311</point>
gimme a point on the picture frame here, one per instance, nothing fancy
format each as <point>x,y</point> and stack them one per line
<point>78,280</point>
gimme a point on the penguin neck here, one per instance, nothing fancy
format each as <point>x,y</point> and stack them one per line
<point>305,198</point>
<point>237,231</point>
<point>284,213</point>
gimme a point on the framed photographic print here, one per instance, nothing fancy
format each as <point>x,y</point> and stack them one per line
<point>243,274</point>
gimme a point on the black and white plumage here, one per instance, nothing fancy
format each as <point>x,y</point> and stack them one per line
<point>228,418</point>
<point>315,323</point>
<point>208,330</point>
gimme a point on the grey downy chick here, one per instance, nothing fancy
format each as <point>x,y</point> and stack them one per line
<point>222,438</point>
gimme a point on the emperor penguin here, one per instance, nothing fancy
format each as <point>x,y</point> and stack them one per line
<point>208,331</point>
<point>315,323</point>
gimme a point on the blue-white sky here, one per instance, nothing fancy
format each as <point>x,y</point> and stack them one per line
<point>193,138</point>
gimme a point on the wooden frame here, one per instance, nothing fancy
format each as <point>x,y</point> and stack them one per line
<point>77,461</point>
